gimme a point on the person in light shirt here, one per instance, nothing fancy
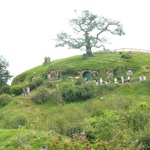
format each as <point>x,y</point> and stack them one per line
<point>144,77</point>
<point>128,78</point>
<point>101,80</point>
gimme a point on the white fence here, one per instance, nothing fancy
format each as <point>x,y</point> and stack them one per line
<point>130,50</point>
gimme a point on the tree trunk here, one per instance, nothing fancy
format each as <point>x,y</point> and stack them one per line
<point>89,51</point>
<point>88,45</point>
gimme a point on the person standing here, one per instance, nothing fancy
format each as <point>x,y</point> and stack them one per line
<point>115,80</point>
<point>24,92</point>
<point>107,80</point>
<point>86,80</point>
<point>128,79</point>
<point>101,80</point>
<point>28,90</point>
<point>140,78</point>
<point>144,77</point>
<point>122,79</point>
<point>96,82</point>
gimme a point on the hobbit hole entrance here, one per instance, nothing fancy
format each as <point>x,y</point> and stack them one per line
<point>129,71</point>
<point>87,75</point>
<point>53,73</point>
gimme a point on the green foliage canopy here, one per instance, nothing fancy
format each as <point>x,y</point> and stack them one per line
<point>4,73</point>
<point>90,29</point>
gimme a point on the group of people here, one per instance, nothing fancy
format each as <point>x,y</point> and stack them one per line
<point>142,77</point>
<point>123,80</point>
<point>101,80</point>
<point>26,91</point>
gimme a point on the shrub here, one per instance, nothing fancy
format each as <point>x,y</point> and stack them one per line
<point>69,92</point>
<point>57,96</point>
<point>88,90</point>
<point>145,140</point>
<point>4,100</point>
<point>17,89</point>
<point>49,84</point>
<point>32,85</point>
<point>98,113</point>
<point>120,53</point>
<point>79,81</point>
<point>5,89</point>
<point>137,120</point>
<point>84,56</point>
<point>105,129</point>
<point>101,128</point>
<point>126,56</point>
<point>71,71</point>
<point>74,129</point>
<point>42,95</point>
<point>119,70</point>
<point>39,81</point>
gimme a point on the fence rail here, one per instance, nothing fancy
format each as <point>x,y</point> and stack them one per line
<point>131,50</point>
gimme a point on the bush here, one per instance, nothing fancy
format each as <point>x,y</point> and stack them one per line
<point>120,53</point>
<point>39,81</point>
<point>145,140</point>
<point>98,113</point>
<point>105,129</point>
<point>49,84</point>
<point>126,56</point>
<point>32,85</point>
<point>57,96</point>
<point>137,120</point>
<point>71,71</point>
<point>84,56</point>
<point>74,129</point>
<point>79,81</point>
<point>119,70</point>
<point>42,95</point>
<point>5,89</point>
<point>4,100</point>
<point>69,92</point>
<point>101,128</point>
<point>87,91</point>
<point>17,89</point>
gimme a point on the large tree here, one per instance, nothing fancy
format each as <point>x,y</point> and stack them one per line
<point>4,73</point>
<point>90,29</point>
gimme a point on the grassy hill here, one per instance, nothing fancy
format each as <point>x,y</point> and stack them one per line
<point>101,62</point>
<point>113,117</point>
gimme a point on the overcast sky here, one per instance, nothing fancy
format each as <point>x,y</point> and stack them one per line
<point>27,27</point>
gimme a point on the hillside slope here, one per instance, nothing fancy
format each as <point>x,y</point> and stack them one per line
<point>108,116</point>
